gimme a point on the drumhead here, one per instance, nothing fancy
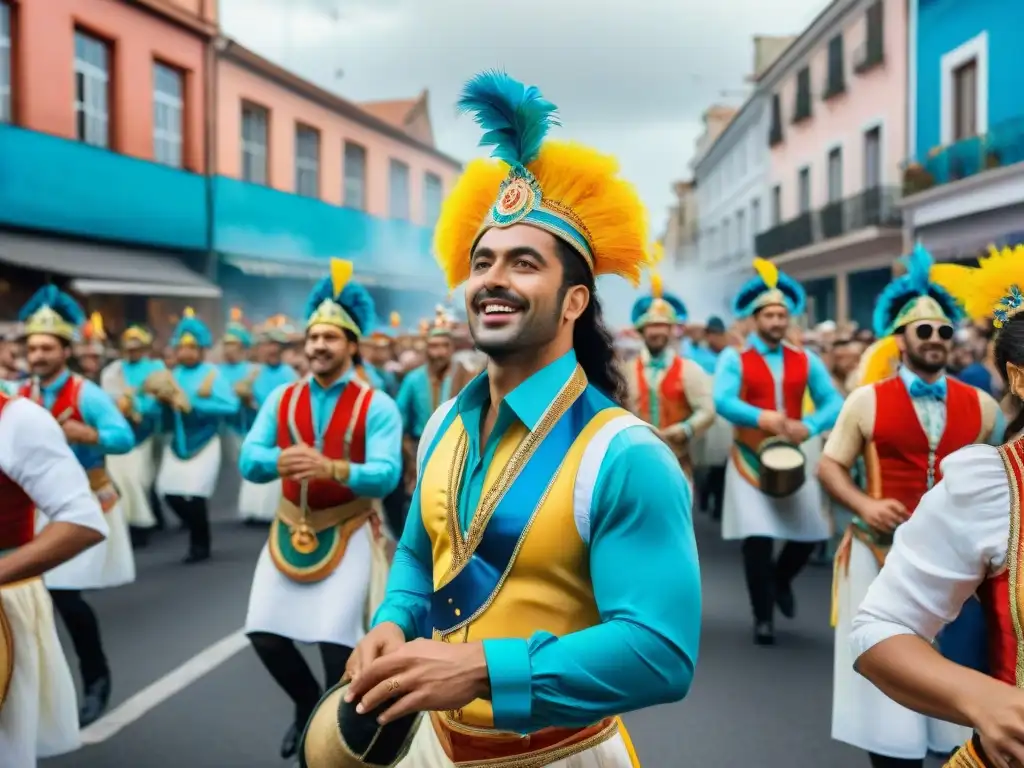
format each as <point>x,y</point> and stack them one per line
<point>782,457</point>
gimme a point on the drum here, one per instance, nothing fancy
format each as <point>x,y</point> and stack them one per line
<point>783,468</point>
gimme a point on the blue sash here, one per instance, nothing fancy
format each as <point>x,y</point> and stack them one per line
<point>474,585</point>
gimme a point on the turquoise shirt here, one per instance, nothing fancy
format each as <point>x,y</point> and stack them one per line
<point>415,400</point>
<point>194,430</point>
<point>240,420</point>
<point>374,478</point>
<point>382,379</point>
<point>135,374</point>
<point>729,379</point>
<point>100,412</point>
<point>644,572</point>
<point>703,357</point>
<point>268,378</point>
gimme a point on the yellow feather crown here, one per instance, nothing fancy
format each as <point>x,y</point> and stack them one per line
<point>994,287</point>
<point>581,183</point>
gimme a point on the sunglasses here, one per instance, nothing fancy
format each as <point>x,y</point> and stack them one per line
<point>925,331</point>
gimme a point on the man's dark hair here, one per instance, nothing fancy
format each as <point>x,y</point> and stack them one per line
<point>592,341</point>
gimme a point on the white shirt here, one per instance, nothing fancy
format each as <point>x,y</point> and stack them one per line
<point>34,454</point>
<point>955,539</point>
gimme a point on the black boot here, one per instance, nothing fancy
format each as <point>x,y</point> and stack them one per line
<point>764,633</point>
<point>95,701</point>
<point>785,600</point>
<point>196,555</point>
<point>290,742</point>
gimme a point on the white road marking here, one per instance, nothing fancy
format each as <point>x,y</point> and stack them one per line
<point>167,686</point>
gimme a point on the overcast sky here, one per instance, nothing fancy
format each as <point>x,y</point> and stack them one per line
<point>631,77</point>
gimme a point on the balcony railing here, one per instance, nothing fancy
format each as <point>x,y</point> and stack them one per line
<point>875,207</point>
<point>1003,145</point>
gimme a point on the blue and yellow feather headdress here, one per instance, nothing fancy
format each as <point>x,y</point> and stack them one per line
<point>995,288</point>
<point>337,300</point>
<point>237,331</point>
<point>769,287</point>
<point>136,337</point>
<point>659,307</point>
<point>914,296</point>
<point>569,190</point>
<point>191,332</point>
<point>54,313</point>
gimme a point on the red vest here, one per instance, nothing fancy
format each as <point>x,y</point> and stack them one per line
<point>897,459</point>
<point>673,407</point>
<point>65,405</point>
<point>344,438</point>
<point>17,510</point>
<point>758,388</point>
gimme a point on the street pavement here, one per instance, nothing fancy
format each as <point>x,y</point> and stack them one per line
<point>749,706</point>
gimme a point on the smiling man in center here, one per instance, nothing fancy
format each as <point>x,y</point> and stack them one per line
<point>509,608</point>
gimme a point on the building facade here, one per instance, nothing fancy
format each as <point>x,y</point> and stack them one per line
<point>103,151</point>
<point>964,174</point>
<point>730,172</point>
<point>680,240</point>
<point>836,106</point>
<point>303,175</point>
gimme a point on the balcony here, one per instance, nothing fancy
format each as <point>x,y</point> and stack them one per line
<point>1002,146</point>
<point>264,231</point>
<point>57,185</point>
<point>874,207</point>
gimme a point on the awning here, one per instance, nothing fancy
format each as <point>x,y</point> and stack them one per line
<point>314,269</point>
<point>103,269</point>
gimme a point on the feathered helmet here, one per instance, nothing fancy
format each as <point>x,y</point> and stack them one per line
<point>191,332</point>
<point>136,337</point>
<point>237,331</point>
<point>93,336</point>
<point>571,191</point>
<point>277,330</point>
<point>338,301</point>
<point>383,337</point>
<point>914,296</point>
<point>660,307</point>
<point>441,325</point>
<point>52,312</point>
<point>995,288</point>
<point>769,287</point>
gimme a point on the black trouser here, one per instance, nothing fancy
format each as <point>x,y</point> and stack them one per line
<point>715,486</point>
<point>396,505</point>
<point>881,761</point>
<point>193,512</point>
<point>84,629</point>
<point>290,670</point>
<point>765,575</point>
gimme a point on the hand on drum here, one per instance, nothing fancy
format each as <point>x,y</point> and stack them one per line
<point>883,514</point>
<point>795,431</point>
<point>772,422</point>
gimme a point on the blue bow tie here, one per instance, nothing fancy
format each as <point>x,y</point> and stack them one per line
<point>936,391</point>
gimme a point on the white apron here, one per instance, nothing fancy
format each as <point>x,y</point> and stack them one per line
<point>334,610</point>
<point>40,715</point>
<point>426,752</point>
<point>195,477</point>
<point>133,473</point>
<point>748,512</point>
<point>712,448</point>
<point>111,563</point>
<point>861,714</point>
<point>258,501</point>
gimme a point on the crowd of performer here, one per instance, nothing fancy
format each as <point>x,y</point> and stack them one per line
<point>448,509</point>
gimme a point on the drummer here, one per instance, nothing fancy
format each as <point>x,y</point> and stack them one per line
<point>760,389</point>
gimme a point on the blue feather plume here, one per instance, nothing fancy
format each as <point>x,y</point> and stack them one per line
<point>51,296</point>
<point>196,328</point>
<point>641,305</point>
<point>354,299</point>
<point>916,282</point>
<point>796,298</point>
<point>515,117</point>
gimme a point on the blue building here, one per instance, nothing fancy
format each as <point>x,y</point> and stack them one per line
<point>964,176</point>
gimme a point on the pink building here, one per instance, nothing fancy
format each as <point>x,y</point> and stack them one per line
<point>837,137</point>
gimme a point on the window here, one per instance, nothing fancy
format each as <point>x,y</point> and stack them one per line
<point>741,231</point>
<point>776,205</point>
<point>804,190</point>
<point>965,100</point>
<point>307,161</point>
<point>755,217</point>
<point>254,143</point>
<point>433,194</point>
<point>6,36</point>
<point>775,132</point>
<point>873,51</point>
<point>398,190</point>
<point>802,107</point>
<point>354,192</point>
<point>168,114</point>
<point>835,175</point>
<point>836,82</point>
<point>873,158</point>
<point>92,88</point>
<point>726,237</point>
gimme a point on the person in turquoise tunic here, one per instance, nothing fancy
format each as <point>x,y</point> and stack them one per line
<point>761,390</point>
<point>134,472</point>
<point>241,374</point>
<point>508,610</point>
<point>196,397</point>
<point>94,429</point>
<point>324,558</point>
